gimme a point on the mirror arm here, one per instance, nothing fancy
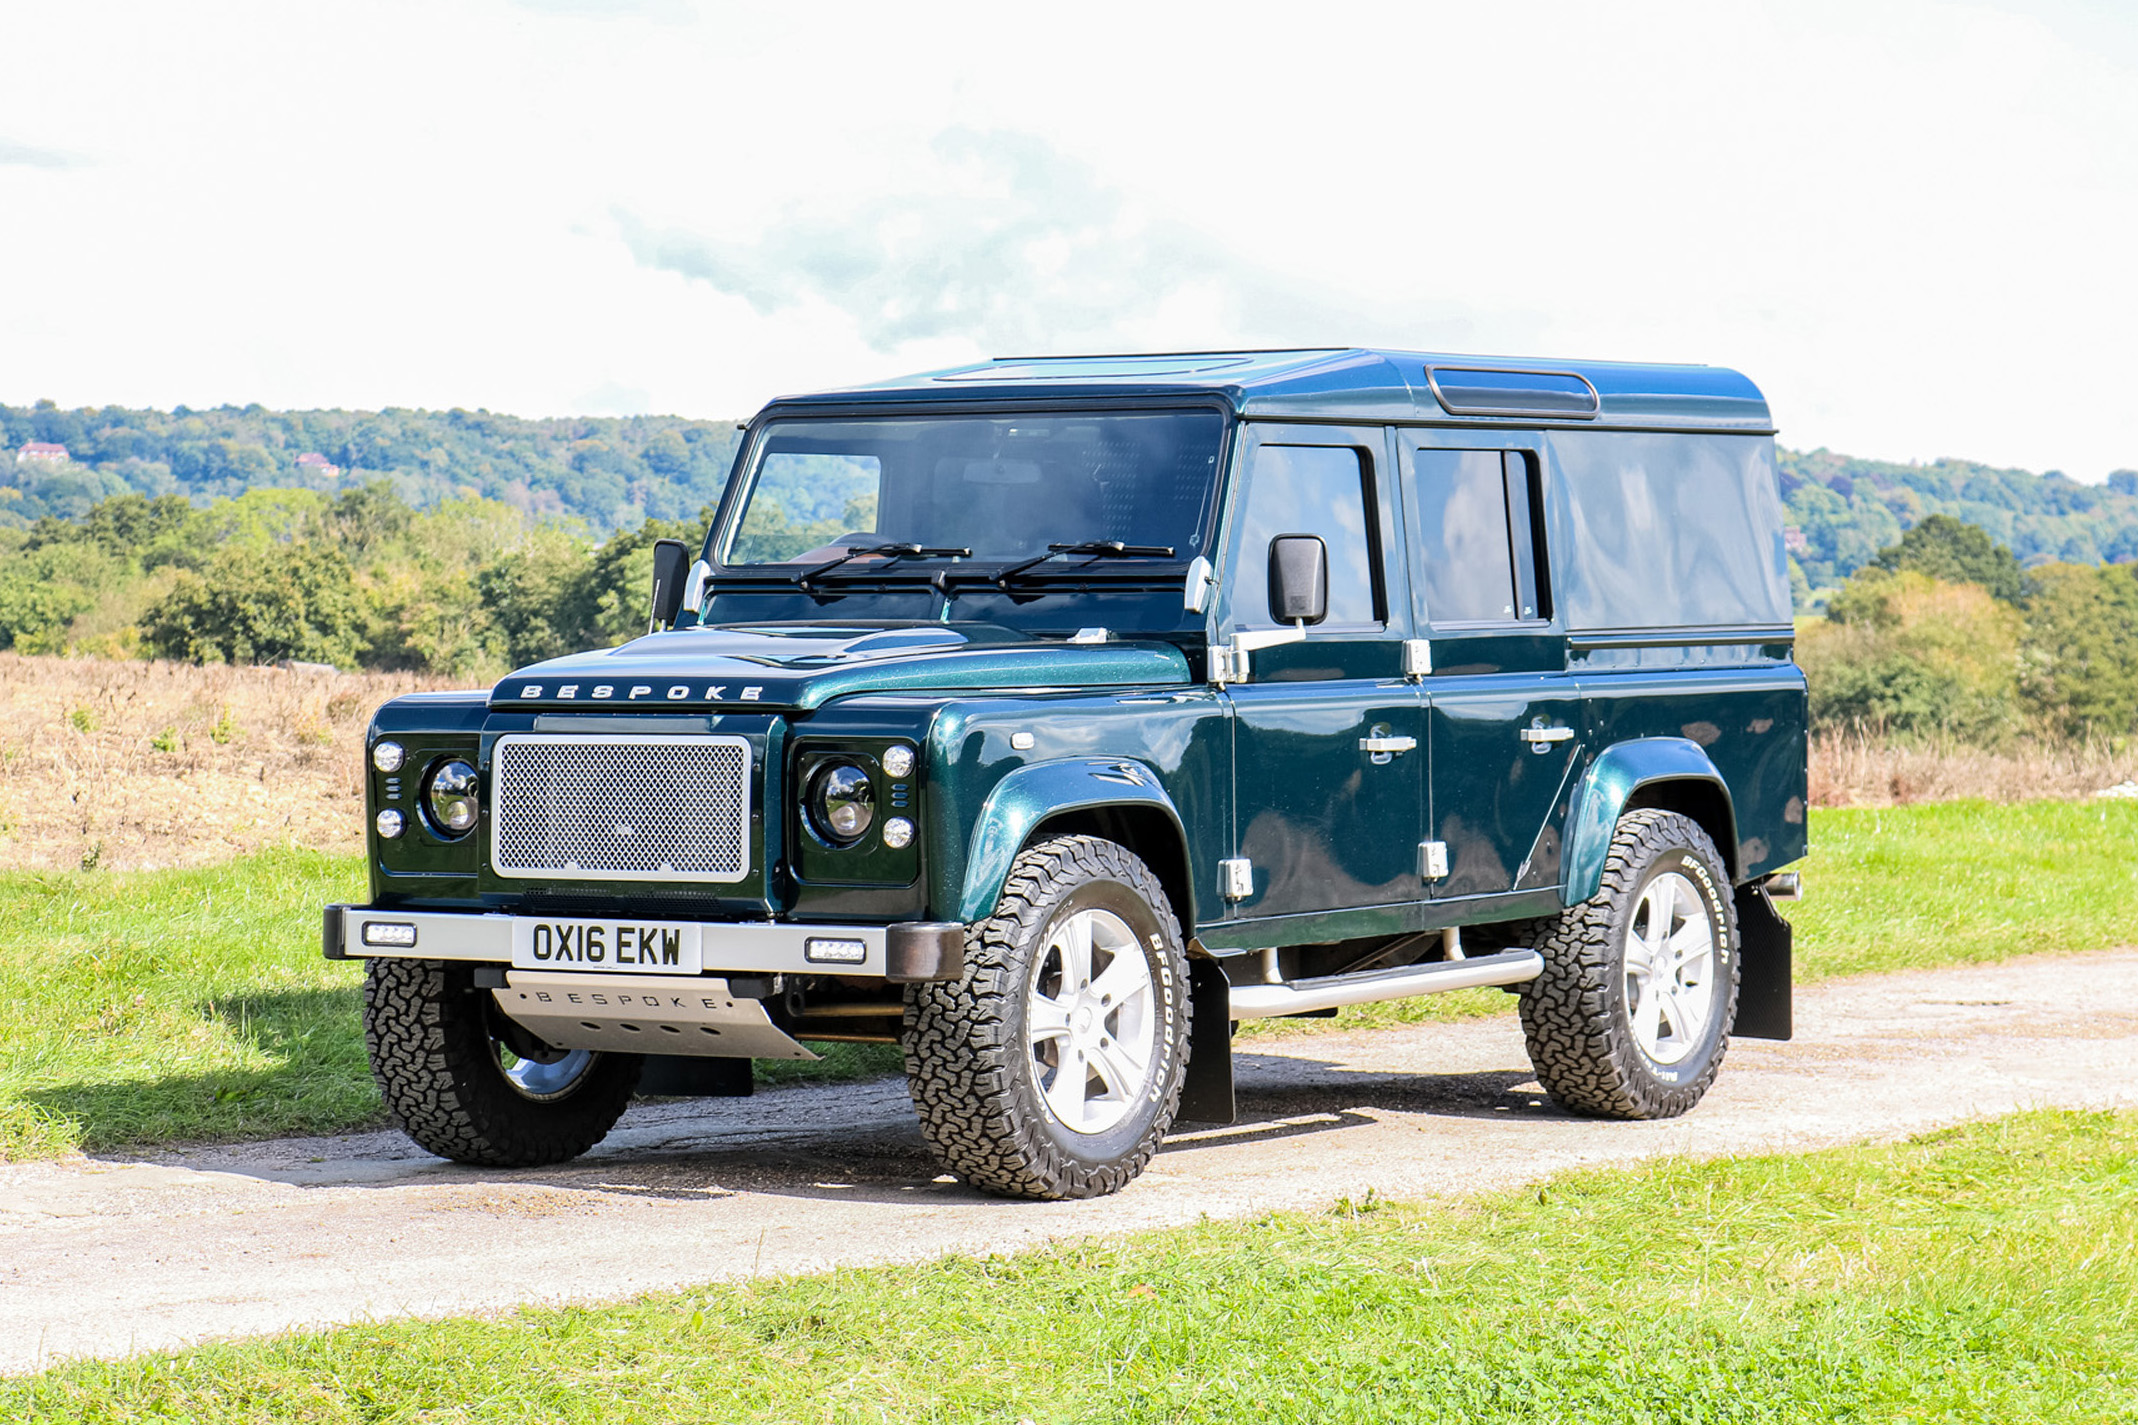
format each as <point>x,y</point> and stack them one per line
<point>1230,662</point>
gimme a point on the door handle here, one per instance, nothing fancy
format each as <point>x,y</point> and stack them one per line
<point>1387,744</point>
<point>1539,737</point>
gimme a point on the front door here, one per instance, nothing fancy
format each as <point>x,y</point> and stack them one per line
<point>1505,720</point>
<point>1329,740</point>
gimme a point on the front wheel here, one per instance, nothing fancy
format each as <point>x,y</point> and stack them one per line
<point>469,1084</point>
<point>1053,1067</point>
<point>1632,1014</point>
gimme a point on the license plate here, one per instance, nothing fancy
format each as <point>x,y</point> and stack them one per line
<point>632,947</point>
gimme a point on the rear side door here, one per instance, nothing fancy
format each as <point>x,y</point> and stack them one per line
<point>1505,719</point>
<point>1329,738</point>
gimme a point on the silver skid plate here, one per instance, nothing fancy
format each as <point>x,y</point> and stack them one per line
<point>644,1014</point>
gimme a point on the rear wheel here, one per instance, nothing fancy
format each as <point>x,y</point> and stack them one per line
<point>1053,1067</point>
<point>1632,1014</point>
<point>468,1084</point>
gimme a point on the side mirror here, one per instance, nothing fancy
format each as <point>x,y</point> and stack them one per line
<point>1298,578</point>
<point>671,564</point>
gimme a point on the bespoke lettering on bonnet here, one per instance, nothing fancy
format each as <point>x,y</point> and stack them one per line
<point>675,692</point>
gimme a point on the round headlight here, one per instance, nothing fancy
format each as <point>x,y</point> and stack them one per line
<point>898,833</point>
<point>449,798</point>
<point>898,760</point>
<point>842,802</point>
<point>390,823</point>
<point>387,756</point>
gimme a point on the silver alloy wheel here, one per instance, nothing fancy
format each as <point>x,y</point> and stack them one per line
<point>541,1082</point>
<point>1089,1024</point>
<point>1670,968</point>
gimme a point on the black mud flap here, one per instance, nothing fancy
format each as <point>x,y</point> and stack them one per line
<point>1206,1096</point>
<point>1763,1005</point>
<point>676,1076</point>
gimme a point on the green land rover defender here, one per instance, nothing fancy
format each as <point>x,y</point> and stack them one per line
<point>1049,717</point>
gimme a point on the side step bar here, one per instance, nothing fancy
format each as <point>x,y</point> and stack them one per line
<point>1509,967</point>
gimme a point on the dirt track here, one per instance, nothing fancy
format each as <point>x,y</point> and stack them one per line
<point>105,1257</point>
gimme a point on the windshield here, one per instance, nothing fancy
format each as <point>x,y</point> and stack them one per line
<point>1003,488</point>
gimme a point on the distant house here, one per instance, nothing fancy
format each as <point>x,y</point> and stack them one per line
<point>40,450</point>
<point>1794,541</point>
<point>313,463</point>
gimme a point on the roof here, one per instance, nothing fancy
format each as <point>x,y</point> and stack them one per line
<point>42,447</point>
<point>1354,383</point>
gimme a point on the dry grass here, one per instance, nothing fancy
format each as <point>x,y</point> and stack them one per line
<point>137,765</point>
<point>134,765</point>
<point>1854,769</point>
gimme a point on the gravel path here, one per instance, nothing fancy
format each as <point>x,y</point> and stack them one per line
<point>104,1256</point>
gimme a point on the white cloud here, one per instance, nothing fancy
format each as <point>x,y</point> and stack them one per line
<point>22,155</point>
<point>1909,222</point>
<point>1008,244</point>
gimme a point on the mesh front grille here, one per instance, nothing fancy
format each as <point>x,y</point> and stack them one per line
<point>622,808</point>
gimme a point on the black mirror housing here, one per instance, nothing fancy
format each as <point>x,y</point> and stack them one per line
<point>671,567</point>
<point>1298,578</point>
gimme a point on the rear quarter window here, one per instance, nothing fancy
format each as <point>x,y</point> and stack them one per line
<point>1668,530</point>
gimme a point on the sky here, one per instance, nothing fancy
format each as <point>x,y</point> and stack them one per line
<point>1911,222</point>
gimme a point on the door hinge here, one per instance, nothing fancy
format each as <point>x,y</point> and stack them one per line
<point>1417,657</point>
<point>1433,860</point>
<point>1236,878</point>
<point>1227,664</point>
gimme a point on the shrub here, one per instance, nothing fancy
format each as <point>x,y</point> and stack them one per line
<point>1910,654</point>
<point>262,605</point>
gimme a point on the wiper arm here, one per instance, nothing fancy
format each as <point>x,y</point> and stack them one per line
<point>1096,548</point>
<point>891,551</point>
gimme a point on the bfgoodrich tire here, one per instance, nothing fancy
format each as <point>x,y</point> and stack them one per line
<point>469,1085</point>
<point>1052,1067</point>
<point>1632,1014</point>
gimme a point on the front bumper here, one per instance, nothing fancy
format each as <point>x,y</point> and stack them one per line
<point>902,953</point>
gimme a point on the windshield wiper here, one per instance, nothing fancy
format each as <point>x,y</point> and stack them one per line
<point>1096,548</point>
<point>890,551</point>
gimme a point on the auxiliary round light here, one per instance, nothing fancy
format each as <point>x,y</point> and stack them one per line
<point>842,802</point>
<point>449,798</point>
<point>387,756</point>
<point>391,823</point>
<point>898,760</point>
<point>898,833</point>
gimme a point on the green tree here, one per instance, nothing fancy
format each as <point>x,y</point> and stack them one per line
<point>1905,653</point>
<point>292,600</point>
<point>2079,669</point>
<point>1958,553</point>
<point>40,596</point>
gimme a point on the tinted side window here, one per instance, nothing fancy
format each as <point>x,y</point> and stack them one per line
<point>1477,544</point>
<point>1310,489</point>
<point>1670,529</point>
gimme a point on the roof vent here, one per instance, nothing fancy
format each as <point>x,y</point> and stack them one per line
<point>1478,391</point>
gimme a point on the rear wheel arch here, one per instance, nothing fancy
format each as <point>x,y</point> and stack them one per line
<point>1671,774</point>
<point>1705,802</point>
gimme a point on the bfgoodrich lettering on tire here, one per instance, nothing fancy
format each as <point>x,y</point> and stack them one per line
<point>1632,1014</point>
<point>1053,1067</point>
<point>469,1085</point>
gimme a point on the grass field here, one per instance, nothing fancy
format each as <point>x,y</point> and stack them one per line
<point>1988,1273</point>
<point>145,1007</point>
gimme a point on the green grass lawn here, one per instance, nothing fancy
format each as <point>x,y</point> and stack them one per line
<point>147,1007</point>
<point>1988,1273</point>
